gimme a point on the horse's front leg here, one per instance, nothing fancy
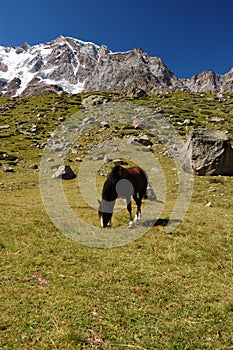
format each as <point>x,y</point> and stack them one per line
<point>129,208</point>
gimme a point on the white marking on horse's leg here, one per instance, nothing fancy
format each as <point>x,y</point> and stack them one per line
<point>137,217</point>
<point>101,222</point>
<point>131,223</point>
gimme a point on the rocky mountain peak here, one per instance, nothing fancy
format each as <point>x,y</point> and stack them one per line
<point>72,65</point>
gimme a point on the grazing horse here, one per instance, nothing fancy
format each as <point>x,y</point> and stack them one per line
<point>122,183</point>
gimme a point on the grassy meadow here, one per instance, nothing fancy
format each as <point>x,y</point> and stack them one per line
<point>162,291</point>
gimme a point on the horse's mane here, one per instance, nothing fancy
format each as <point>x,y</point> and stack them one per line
<point>109,189</point>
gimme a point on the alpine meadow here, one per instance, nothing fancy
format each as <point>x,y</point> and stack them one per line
<point>161,291</point>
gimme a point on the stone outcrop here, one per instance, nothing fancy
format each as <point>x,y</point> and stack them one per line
<point>206,81</point>
<point>207,153</point>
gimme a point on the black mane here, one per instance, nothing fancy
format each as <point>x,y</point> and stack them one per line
<point>109,190</point>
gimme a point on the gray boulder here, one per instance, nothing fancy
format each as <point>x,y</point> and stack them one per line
<point>207,153</point>
<point>64,172</point>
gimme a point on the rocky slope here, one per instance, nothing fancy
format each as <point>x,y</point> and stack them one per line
<point>71,65</point>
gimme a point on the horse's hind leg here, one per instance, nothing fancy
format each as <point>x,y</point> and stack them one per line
<point>138,200</point>
<point>129,208</point>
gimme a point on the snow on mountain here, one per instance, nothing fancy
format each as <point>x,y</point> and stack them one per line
<point>72,65</point>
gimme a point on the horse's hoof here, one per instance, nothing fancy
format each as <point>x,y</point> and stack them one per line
<point>137,217</point>
<point>131,224</point>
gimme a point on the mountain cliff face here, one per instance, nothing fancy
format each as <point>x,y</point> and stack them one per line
<point>73,66</point>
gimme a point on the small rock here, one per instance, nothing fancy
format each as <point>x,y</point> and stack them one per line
<point>209,204</point>
<point>105,125</point>
<point>64,172</point>
<point>216,119</point>
<point>4,127</point>
<point>187,122</point>
<point>7,169</point>
<point>144,140</point>
<point>34,166</point>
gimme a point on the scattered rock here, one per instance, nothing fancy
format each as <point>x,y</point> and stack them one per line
<point>119,162</point>
<point>159,110</point>
<point>105,125</point>
<point>7,169</point>
<point>150,193</point>
<point>143,140</point>
<point>216,119</point>
<point>94,100</point>
<point>7,157</point>
<point>4,127</point>
<point>136,92</point>
<point>34,166</point>
<point>64,172</point>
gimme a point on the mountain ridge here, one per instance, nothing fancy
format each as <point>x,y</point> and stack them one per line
<point>71,65</point>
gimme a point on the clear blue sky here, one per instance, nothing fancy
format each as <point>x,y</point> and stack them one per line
<point>189,35</point>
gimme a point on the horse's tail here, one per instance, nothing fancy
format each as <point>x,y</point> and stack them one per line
<point>145,195</point>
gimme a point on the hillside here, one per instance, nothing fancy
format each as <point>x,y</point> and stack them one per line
<point>160,291</point>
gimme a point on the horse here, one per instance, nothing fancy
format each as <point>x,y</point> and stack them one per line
<point>122,183</point>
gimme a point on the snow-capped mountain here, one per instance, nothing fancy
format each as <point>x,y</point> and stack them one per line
<point>72,65</point>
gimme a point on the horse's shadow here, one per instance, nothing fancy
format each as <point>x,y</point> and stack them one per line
<point>160,222</point>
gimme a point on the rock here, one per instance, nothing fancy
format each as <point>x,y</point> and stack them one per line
<point>34,166</point>
<point>206,81</point>
<point>4,127</point>
<point>150,193</point>
<point>7,168</point>
<point>13,86</point>
<point>64,172</point>
<point>105,125</point>
<point>207,153</point>
<point>159,110</point>
<point>143,140</point>
<point>94,100</point>
<point>58,147</point>
<point>216,119</point>
<point>136,92</point>
<point>7,157</point>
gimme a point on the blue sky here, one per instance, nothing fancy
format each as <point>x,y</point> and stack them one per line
<point>190,36</point>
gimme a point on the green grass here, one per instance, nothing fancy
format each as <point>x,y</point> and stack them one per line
<point>163,291</point>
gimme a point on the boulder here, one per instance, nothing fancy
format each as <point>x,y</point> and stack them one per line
<point>136,92</point>
<point>93,101</point>
<point>64,172</point>
<point>207,153</point>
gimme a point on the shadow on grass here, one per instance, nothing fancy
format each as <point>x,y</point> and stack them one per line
<point>160,222</point>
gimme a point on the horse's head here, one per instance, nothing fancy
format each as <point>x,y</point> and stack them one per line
<point>105,211</point>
